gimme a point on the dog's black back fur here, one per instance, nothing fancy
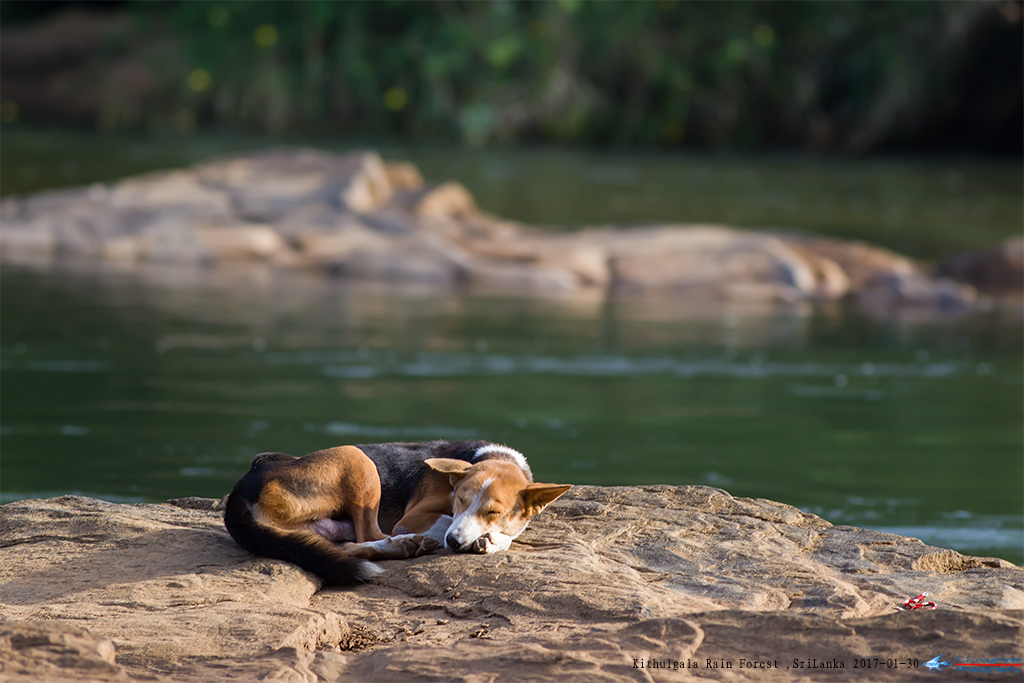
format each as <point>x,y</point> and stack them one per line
<point>401,467</point>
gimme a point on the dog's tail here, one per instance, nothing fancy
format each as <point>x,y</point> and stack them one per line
<point>312,552</point>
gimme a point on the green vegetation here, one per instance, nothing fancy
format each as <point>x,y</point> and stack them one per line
<point>849,76</point>
<point>652,73</point>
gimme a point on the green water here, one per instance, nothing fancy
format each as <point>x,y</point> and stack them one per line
<point>142,388</point>
<point>132,390</point>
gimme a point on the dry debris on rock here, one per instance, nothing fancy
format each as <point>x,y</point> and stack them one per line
<point>603,577</point>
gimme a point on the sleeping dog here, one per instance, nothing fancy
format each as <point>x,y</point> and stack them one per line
<point>328,511</point>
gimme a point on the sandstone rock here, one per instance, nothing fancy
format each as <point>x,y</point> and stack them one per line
<point>337,247</point>
<point>351,246</point>
<point>680,258</point>
<point>241,241</point>
<point>486,235</point>
<point>883,282</point>
<point>171,238</point>
<point>137,599</point>
<point>448,200</point>
<point>85,228</point>
<point>859,261</point>
<point>55,652</point>
<point>197,503</point>
<point>667,647</point>
<point>266,186</point>
<point>368,189</point>
<point>56,200</point>
<point>27,240</point>
<point>394,221</point>
<point>770,294</point>
<point>588,263</point>
<point>316,218</point>
<point>403,176</point>
<point>890,293</point>
<point>401,262</point>
<point>998,268</point>
<point>521,278</point>
<point>166,191</point>
<point>356,216</point>
<point>602,577</point>
<point>10,209</point>
<point>124,250</point>
<point>830,280</point>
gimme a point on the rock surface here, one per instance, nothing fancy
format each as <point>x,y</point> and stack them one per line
<point>357,216</point>
<point>604,578</point>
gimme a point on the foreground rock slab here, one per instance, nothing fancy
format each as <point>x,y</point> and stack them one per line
<point>356,216</point>
<point>675,579</point>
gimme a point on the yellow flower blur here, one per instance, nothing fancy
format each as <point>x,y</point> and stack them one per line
<point>266,35</point>
<point>198,80</point>
<point>395,99</point>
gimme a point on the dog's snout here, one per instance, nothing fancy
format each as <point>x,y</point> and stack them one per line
<point>457,542</point>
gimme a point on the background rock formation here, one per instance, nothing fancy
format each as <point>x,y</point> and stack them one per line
<point>357,216</point>
<point>603,577</point>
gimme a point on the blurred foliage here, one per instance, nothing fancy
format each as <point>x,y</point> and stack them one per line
<point>856,76</point>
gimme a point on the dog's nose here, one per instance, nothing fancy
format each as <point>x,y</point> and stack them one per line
<point>452,543</point>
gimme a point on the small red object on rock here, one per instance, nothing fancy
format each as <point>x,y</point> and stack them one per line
<point>917,603</point>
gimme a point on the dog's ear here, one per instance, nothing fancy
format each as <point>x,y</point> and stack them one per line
<point>455,469</point>
<point>536,497</point>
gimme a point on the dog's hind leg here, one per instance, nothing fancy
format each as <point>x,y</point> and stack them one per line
<point>336,530</point>
<point>361,493</point>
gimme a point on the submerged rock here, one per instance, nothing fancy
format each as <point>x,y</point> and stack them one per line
<point>1001,268</point>
<point>605,578</point>
<point>356,216</point>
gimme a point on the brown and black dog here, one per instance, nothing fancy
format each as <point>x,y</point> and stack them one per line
<point>328,511</point>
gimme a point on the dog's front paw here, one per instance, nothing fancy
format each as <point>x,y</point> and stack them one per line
<point>404,545</point>
<point>425,545</point>
<point>485,544</point>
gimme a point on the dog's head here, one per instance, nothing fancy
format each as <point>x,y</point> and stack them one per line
<point>492,503</point>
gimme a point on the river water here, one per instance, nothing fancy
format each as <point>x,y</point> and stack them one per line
<point>140,388</point>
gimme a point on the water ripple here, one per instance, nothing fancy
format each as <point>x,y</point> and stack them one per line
<point>363,365</point>
<point>972,538</point>
<point>378,432</point>
<point>58,366</point>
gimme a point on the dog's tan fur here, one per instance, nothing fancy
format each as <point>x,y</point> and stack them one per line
<point>344,481</point>
<point>504,499</point>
